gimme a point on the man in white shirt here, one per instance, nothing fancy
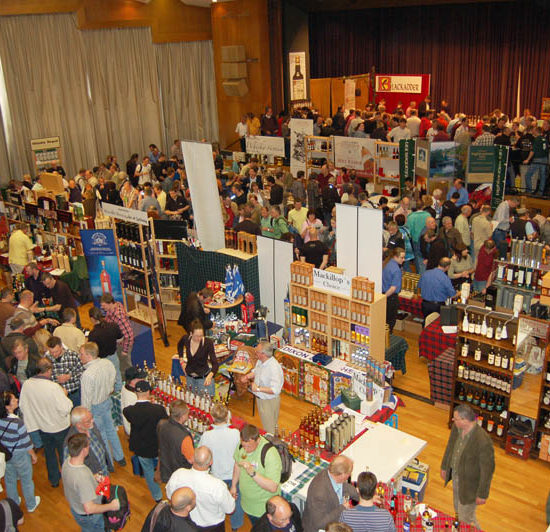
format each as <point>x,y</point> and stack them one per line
<point>413,123</point>
<point>223,441</point>
<point>214,500</point>
<point>46,408</point>
<point>96,386</point>
<point>266,384</point>
<point>242,130</point>
<point>400,132</point>
<point>143,171</point>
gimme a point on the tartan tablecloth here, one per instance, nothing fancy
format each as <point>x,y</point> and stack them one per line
<point>413,306</point>
<point>416,526</point>
<point>292,486</point>
<point>433,341</point>
<point>396,351</point>
<point>441,376</point>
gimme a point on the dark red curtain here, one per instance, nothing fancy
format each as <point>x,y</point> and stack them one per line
<point>472,51</point>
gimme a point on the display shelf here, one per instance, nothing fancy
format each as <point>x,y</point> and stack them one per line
<point>167,256</point>
<point>485,365</point>
<point>501,284</point>
<point>481,386</point>
<point>542,267</point>
<point>500,344</point>
<point>494,416</point>
<point>132,268</point>
<point>317,149</point>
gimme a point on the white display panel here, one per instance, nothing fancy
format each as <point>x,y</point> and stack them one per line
<point>201,176</point>
<point>265,271</point>
<point>282,259</point>
<point>346,238</point>
<point>369,246</point>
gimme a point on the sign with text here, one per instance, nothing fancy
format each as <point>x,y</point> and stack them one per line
<point>102,260</point>
<point>406,84</point>
<point>45,144</point>
<point>481,164</point>
<point>499,175</point>
<point>274,146</point>
<point>125,214</point>
<point>298,76</point>
<point>355,154</point>
<point>422,158</point>
<point>334,282</point>
<point>406,161</point>
<point>349,94</point>
<point>300,128</point>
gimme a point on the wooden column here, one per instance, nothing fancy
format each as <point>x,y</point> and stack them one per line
<point>242,22</point>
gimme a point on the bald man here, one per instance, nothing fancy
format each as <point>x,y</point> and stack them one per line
<point>327,493</point>
<point>213,498</point>
<point>175,515</point>
<point>279,515</point>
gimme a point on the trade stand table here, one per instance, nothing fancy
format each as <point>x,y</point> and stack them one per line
<point>441,377</point>
<point>412,306</point>
<point>433,341</point>
<point>142,350</point>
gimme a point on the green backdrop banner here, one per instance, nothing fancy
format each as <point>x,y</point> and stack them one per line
<point>406,161</point>
<point>499,174</point>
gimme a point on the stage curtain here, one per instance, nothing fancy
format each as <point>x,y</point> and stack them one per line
<point>473,51</point>
<point>188,86</point>
<point>45,78</point>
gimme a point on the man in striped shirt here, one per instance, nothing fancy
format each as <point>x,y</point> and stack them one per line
<point>366,516</point>
<point>96,386</point>
<point>115,313</point>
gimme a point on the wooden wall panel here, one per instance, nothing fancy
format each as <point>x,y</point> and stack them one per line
<point>320,95</point>
<point>242,22</point>
<point>170,20</point>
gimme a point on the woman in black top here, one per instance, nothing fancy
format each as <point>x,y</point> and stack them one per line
<point>198,359</point>
<point>106,335</point>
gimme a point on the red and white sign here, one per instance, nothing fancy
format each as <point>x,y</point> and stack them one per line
<point>402,84</point>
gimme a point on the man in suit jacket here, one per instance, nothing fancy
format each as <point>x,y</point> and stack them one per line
<point>326,495</point>
<point>144,417</point>
<point>470,461</point>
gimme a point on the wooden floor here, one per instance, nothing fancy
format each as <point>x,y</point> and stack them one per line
<point>518,494</point>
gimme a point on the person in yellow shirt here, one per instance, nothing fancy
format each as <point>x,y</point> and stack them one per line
<point>254,125</point>
<point>19,244</point>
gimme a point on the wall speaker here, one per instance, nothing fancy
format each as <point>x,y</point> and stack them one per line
<point>236,87</point>
<point>234,70</point>
<point>233,54</point>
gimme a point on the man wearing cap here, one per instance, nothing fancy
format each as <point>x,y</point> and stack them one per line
<point>144,417</point>
<point>128,395</point>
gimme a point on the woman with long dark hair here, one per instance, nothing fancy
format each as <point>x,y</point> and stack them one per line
<point>15,438</point>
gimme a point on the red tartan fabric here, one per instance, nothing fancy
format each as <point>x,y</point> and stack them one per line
<point>441,376</point>
<point>413,306</point>
<point>433,341</point>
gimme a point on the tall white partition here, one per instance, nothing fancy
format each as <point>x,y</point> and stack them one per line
<point>369,245</point>
<point>201,176</point>
<point>274,259</point>
<point>346,238</point>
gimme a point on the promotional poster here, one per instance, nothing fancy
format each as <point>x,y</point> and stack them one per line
<point>101,258</point>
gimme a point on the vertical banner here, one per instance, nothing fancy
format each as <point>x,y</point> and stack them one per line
<point>349,94</point>
<point>102,260</point>
<point>298,76</point>
<point>299,130</point>
<point>406,161</point>
<point>499,176</point>
<point>201,176</point>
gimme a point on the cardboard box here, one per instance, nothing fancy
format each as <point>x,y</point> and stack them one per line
<point>544,452</point>
<point>418,489</point>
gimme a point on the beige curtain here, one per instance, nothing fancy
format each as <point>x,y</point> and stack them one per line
<point>104,92</point>
<point>188,85</point>
<point>124,89</point>
<point>45,80</point>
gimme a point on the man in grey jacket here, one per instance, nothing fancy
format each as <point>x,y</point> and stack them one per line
<point>469,461</point>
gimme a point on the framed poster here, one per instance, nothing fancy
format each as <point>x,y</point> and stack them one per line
<point>545,109</point>
<point>481,164</point>
<point>422,159</point>
<point>298,76</point>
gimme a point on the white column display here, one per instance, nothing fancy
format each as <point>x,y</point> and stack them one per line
<point>201,176</point>
<point>299,129</point>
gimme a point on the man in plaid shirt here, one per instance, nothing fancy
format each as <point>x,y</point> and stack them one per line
<point>66,368</point>
<point>486,138</point>
<point>115,313</point>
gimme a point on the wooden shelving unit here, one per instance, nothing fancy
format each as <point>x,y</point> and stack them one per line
<point>167,273</point>
<point>132,243</point>
<point>316,149</point>
<point>334,321</point>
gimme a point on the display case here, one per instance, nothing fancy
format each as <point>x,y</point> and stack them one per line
<point>318,150</point>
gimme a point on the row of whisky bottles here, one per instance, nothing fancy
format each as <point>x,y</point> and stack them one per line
<point>489,401</point>
<point>487,378</point>
<point>498,358</point>
<point>489,327</point>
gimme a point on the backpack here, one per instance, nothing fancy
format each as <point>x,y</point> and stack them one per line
<point>284,453</point>
<point>8,516</point>
<point>117,520</point>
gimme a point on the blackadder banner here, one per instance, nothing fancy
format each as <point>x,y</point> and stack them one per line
<point>403,84</point>
<point>265,146</point>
